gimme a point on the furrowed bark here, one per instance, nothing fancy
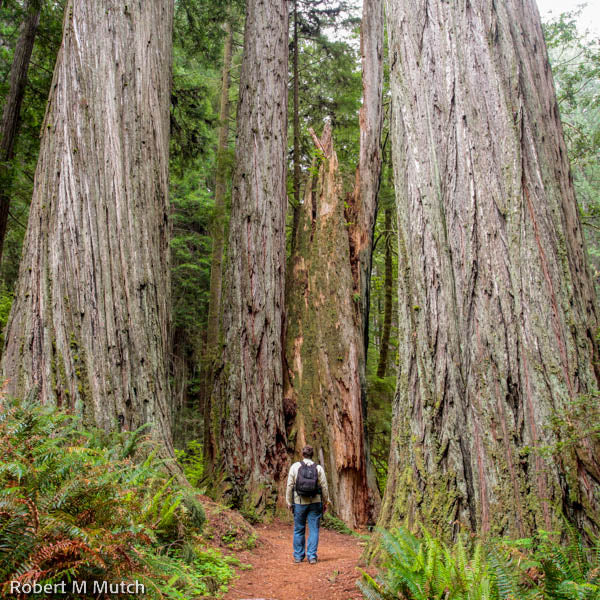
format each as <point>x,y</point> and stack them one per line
<point>89,324</point>
<point>218,237</point>
<point>498,322</point>
<point>324,343</point>
<point>247,401</point>
<point>12,107</point>
<point>328,299</point>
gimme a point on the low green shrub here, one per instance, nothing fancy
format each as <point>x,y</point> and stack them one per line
<point>332,522</point>
<point>192,461</point>
<point>249,513</point>
<point>6,300</point>
<point>75,505</point>
<point>425,568</point>
<point>205,574</point>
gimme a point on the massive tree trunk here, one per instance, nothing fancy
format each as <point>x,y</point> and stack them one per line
<point>12,107</point>
<point>497,317</point>
<point>328,300</point>
<point>89,325</point>
<point>325,345</point>
<point>216,264</point>
<point>247,403</point>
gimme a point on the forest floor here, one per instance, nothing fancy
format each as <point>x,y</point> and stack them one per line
<point>275,575</point>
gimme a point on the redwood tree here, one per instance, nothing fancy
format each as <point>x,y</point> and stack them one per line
<point>248,416</point>
<point>218,236</point>
<point>498,360</point>
<point>89,323</point>
<point>12,106</point>
<point>328,300</point>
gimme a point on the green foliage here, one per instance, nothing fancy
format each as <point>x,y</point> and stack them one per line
<point>190,251</point>
<point>198,47</point>
<point>73,504</point>
<point>380,394</point>
<point>425,568</point>
<point>575,60</point>
<point>329,83</point>
<point>192,161</point>
<point>572,571</point>
<point>204,574</point>
<point>332,522</point>
<point>192,204</point>
<point>315,16</point>
<point>193,118</point>
<point>19,178</point>
<point>198,27</point>
<point>330,86</point>
<point>6,300</point>
<point>191,459</point>
<point>380,391</point>
<point>249,513</point>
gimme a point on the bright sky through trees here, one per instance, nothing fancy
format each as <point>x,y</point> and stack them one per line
<point>589,18</point>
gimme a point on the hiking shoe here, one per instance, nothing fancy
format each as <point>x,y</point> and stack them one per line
<point>312,561</point>
<point>298,560</point>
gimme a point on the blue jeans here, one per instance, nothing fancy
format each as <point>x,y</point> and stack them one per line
<point>303,514</point>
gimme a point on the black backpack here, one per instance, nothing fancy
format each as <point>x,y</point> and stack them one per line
<point>307,480</point>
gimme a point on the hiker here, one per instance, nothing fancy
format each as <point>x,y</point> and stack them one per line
<point>307,496</point>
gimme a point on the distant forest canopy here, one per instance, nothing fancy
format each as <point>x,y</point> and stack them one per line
<point>259,225</point>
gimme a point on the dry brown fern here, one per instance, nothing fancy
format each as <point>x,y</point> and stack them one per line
<point>74,550</point>
<point>34,524</point>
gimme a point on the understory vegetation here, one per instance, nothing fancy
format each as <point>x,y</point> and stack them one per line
<point>424,568</point>
<point>80,504</point>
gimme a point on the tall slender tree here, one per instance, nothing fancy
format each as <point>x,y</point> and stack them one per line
<point>12,106</point>
<point>89,325</point>
<point>362,205</point>
<point>498,364</point>
<point>388,286</point>
<point>218,235</point>
<point>295,125</point>
<point>247,402</point>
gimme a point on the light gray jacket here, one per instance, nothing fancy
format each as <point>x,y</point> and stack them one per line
<point>292,498</point>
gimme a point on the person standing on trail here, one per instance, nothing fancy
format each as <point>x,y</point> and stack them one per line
<point>307,495</point>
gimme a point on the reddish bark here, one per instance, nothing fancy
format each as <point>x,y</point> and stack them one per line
<point>89,324</point>
<point>497,310</point>
<point>247,400</point>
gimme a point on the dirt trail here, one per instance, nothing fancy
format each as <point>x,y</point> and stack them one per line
<point>275,575</point>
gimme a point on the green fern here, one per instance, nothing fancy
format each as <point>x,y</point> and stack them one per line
<point>571,571</point>
<point>73,504</point>
<point>425,568</point>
